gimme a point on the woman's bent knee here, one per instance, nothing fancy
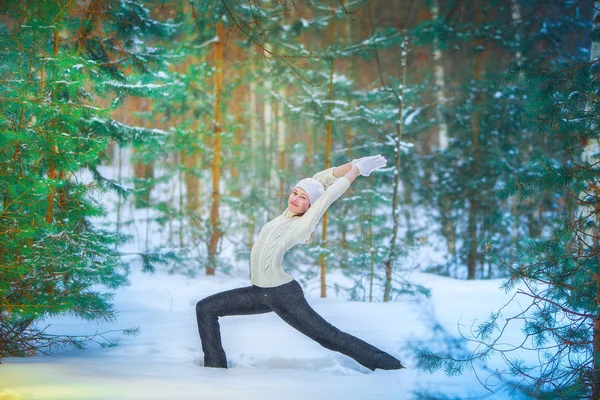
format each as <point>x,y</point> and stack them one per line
<point>203,308</point>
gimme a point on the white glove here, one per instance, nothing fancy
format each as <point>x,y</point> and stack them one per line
<point>366,165</point>
<point>362,158</point>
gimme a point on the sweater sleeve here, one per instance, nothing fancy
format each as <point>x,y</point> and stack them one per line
<point>326,177</point>
<point>309,220</point>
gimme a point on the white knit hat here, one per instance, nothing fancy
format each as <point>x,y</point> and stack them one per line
<point>313,187</point>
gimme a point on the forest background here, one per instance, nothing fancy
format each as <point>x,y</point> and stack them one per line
<point>486,111</point>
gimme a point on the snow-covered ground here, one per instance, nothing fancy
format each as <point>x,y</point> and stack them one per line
<point>268,359</point>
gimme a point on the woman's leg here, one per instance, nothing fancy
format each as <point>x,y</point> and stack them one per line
<point>290,304</point>
<point>242,301</point>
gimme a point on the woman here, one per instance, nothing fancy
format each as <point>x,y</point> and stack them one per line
<point>274,290</point>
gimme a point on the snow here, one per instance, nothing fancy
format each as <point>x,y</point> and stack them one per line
<point>138,85</point>
<point>411,116</point>
<point>267,358</point>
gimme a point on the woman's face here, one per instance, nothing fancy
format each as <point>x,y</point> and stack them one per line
<point>298,202</point>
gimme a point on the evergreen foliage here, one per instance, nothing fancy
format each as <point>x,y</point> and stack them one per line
<point>509,193</point>
<point>53,260</point>
<point>490,137</point>
<point>556,273</point>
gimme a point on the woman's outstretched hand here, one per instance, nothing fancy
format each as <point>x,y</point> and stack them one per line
<point>366,165</point>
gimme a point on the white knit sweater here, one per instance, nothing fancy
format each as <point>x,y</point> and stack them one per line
<point>289,229</point>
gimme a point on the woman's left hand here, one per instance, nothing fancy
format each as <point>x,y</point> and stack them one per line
<point>366,165</point>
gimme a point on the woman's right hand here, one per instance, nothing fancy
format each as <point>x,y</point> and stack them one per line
<point>366,165</point>
<point>354,161</point>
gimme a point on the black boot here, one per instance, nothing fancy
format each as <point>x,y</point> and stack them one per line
<point>387,362</point>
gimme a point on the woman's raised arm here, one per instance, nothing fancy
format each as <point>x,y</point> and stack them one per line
<point>352,173</point>
<point>347,170</point>
<point>342,170</point>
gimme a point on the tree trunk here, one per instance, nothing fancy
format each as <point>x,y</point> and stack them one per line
<point>236,108</point>
<point>62,192</point>
<point>50,196</point>
<point>52,173</point>
<point>516,17</point>
<point>181,213</point>
<point>440,85</point>
<point>190,162</point>
<point>253,124</point>
<point>281,142</point>
<point>371,248</point>
<point>192,181</point>
<point>216,164</point>
<point>352,75</point>
<point>120,181</point>
<point>591,149</point>
<point>397,163</point>
<point>172,188</point>
<point>235,173</point>
<point>515,229</point>
<point>322,261</point>
<point>473,202</point>
<point>142,171</point>
<point>309,147</point>
<point>268,121</point>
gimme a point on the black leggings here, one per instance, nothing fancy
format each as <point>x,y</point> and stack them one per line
<point>288,302</point>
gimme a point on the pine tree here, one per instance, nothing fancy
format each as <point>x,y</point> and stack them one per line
<point>56,58</point>
<point>371,112</point>
<point>555,276</point>
<point>487,139</point>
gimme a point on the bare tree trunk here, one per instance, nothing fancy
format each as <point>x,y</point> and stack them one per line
<point>142,171</point>
<point>236,108</point>
<point>181,213</point>
<point>516,17</point>
<point>192,181</point>
<point>397,163</point>
<point>281,142</point>
<point>18,156</point>
<point>473,202</point>
<point>52,174</point>
<point>191,162</point>
<point>62,192</point>
<point>515,230</point>
<point>235,173</point>
<point>50,196</point>
<point>592,148</point>
<point>352,75</point>
<point>268,128</point>
<point>327,164</point>
<point>172,188</point>
<point>448,229</point>
<point>216,164</point>
<point>371,248</point>
<point>253,124</point>
<point>52,171</point>
<point>119,179</point>
<point>309,147</point>
<point>440,92</point>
